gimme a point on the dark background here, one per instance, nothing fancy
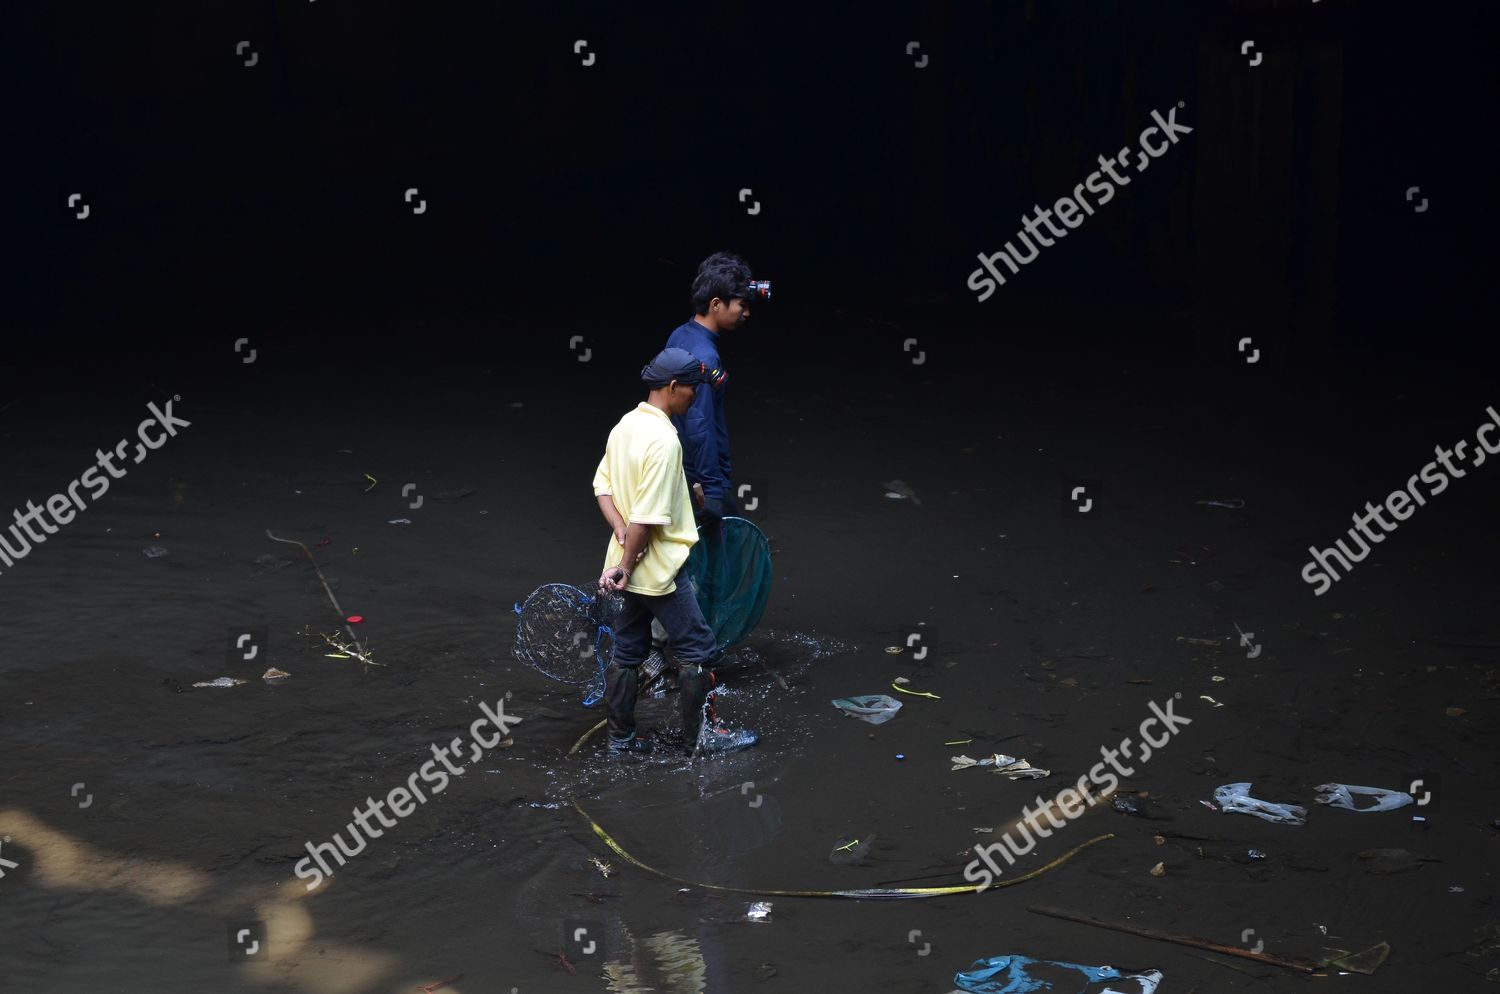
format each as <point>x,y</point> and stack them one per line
<point>267,201</point>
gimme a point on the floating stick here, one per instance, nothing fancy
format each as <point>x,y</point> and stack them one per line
<point>359,650</point>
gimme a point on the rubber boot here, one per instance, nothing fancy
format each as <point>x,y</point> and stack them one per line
<point>694,683</point>
<point>622,695</point>
<point>703,733</point>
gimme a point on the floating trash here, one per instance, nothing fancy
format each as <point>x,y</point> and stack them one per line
<point>273,675</point>
<point>1341,795</point>
<point>223,681</point>
<point>1367,961</point>
<point>1010,766</point>
<point>851,852</point>
<point>1015,973</point>
<point>759,911</point>
<point>877,709</point>
<point>153,552</point>
<point>1234,798</point>
<point>899,490</point>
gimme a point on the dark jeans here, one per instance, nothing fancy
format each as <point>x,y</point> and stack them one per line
<point>693,647</point>
<point>688,634</point>
<point>708,518</point>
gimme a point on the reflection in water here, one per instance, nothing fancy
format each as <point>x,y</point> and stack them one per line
<point>58,863</point>
<point>731,815</point>
<point>665,963</point>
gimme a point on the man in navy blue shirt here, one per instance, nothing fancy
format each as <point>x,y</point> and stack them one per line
<point>720,304</point>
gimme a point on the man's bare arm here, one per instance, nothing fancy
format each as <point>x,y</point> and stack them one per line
<point>637,538</point>
<point>612,515</point>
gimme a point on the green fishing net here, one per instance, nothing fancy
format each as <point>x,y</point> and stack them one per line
<point>731,572</point>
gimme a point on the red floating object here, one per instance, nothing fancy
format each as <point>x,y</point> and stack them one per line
<point>326,541</point>
<point>355,619</point>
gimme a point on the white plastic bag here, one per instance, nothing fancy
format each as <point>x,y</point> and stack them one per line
<point>1234,798</point>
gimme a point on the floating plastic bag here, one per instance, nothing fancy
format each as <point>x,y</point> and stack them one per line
<point>1010,766</point>
<point>1366,962</point>
<point>1013,975</point>
<point>1234,798</point>
<point>1341,795</point>
<point>877,709</point>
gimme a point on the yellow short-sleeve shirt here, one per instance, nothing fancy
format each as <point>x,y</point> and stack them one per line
<point>642,471</point>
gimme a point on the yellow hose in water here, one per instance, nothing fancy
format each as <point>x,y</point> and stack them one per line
<point>878,893</point>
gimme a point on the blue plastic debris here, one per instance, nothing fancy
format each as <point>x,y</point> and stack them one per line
<point>1012,975</point>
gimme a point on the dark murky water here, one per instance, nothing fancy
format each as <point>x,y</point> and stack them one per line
<point>195,807</point>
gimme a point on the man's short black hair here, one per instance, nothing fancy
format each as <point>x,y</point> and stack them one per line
<point>723,275</point>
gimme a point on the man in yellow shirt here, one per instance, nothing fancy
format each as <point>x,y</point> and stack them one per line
<point>643,494</point>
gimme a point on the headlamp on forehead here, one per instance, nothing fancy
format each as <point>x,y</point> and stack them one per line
<point>759,290</point>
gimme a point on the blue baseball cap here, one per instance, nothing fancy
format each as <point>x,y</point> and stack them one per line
<point>674,364</point>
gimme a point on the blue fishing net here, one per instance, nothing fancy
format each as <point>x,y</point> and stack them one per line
<point>566,632</point>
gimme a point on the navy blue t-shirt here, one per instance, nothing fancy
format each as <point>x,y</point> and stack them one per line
<point>705,439</point>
